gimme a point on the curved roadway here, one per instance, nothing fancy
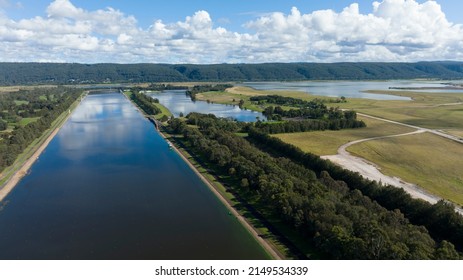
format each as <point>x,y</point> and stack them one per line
<point>372,172</point>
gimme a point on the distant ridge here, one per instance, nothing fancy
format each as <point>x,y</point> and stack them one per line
<point>73,73</point>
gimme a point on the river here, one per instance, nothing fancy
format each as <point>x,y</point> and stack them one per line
<point>108,187</point>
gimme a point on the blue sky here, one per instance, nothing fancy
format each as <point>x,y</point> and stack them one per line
<point>212,31</point>
<point>228,13</point>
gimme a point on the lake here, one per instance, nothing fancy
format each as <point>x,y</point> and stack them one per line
<point>108,187</point>
<point>178,102</point>
<point>352,89</point>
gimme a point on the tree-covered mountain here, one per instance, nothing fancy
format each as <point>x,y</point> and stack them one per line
<point>71,73</point>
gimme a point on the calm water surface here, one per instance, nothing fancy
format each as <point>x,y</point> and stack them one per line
<point>108,187</point>
<point>353,89</point>
<point>177,102</point>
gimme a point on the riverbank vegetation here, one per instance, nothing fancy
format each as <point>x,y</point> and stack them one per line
<point>440,219</point>
<point>26,114</point>
<point>332,215</point>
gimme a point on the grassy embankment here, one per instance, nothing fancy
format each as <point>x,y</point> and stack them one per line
<point>427,160</point>
<point>30,150</point>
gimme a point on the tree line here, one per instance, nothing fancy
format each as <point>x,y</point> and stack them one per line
<point>338,220</point>
<point>74,73</point>
<point>57,101</point>
<point>440,219</point>
<point>206,88</point>
<point>146,103</point>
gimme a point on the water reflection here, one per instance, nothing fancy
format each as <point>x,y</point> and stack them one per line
<point>98,127</point>
<point>108,187</point>
<point>177,102</point>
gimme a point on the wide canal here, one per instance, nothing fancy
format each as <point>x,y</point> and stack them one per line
<point>109,187</point>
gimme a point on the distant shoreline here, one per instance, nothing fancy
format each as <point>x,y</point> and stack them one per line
<point>22,171</point>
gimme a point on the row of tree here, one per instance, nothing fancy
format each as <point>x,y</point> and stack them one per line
<point>15,142</point>
<point>307,125</point>
<point>146,103</point>
<point>290,101</point>
<point>441,219</point>
<point>339,221</point>
<point>206,88</point>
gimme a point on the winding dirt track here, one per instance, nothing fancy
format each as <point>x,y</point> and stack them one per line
<point>371,171</point>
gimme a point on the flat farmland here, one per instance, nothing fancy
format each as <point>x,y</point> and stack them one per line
<point>327,142</point>
<point>432,162</point>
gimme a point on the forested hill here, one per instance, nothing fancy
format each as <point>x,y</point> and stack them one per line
<point>69,73</point>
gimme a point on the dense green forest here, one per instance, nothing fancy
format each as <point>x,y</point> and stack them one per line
<point>26,114</point>
<point>71,73</point>
<point>145,102</point>
<point>333,216</point>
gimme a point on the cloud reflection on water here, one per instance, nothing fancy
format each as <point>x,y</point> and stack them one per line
<point>100,124</point>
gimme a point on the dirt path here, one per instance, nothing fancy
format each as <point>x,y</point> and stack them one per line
<point>371,171</point>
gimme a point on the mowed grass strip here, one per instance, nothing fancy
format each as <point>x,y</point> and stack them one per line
<point>432,162</point>
<point>327,142</point>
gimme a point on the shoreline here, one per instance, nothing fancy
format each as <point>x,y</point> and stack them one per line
<point>273,253</point>
<point>23,170</point>
<point>265,245</point>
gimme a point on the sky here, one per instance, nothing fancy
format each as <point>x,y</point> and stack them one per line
<point>230,31</point>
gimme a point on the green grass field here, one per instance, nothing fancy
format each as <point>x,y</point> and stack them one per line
<point>26,121</point>
<point>430,110</point>
<point>432,162</point>
<point>327,142</point>
<point>458,133</point>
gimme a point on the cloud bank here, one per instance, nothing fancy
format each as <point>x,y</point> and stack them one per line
<point>395,30</point>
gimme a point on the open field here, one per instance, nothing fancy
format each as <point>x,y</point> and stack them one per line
<point>430,161</point>
<point>327,142</point>
<point>458,133</point>
<point>430,110</point>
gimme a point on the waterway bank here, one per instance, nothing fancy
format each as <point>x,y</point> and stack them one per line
<point>37,150</point>
<point>273,252</point>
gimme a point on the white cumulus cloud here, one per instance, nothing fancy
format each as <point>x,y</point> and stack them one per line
<point>394,30</point>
